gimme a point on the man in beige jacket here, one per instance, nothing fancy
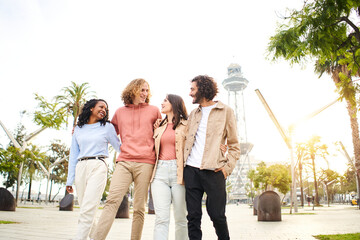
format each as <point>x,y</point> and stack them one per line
<point>206,167</point>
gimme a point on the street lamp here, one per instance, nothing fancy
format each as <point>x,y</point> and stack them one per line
<point>22,149</point>
<point>48,173</point>
<point>287,137</point>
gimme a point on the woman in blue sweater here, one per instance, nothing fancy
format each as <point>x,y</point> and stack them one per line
<point>87,166</point>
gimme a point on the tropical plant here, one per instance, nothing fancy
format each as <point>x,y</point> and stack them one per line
<point>300,155</point>
<point>280,177</point>
<point>10,159</point>
<point>275,176</point>
<point>49,114</point>
<point>73,98</point>
<point>350,180</point>
<point>259,177</point>
<point>58,174</point>
<point>249,188</point>
<point>325,31</point>
<point>313,149</point>
<point>329,178</point>
<point>32,158</point>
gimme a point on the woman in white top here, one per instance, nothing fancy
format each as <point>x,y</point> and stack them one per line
<point>87,165</point>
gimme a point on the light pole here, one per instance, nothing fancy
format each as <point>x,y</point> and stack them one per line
<point>22,149</point>
<point>287,137</point>
<point>48,172</point>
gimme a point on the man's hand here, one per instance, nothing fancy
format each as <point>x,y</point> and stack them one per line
<point>69,189</point>
<point>223,171</point>
<point>157,123</point>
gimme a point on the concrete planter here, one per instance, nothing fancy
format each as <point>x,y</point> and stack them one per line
<point>269,207</point>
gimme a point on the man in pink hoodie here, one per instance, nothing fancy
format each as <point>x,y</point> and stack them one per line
<point>134,123</point>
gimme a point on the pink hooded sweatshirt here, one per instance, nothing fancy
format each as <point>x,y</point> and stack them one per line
<point>134,124</point>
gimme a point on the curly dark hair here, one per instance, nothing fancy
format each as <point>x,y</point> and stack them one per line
<point>207,87</point>
<point>86,112</point>
<point>178,108</point>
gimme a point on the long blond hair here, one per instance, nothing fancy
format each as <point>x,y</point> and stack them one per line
<point>133,89</point>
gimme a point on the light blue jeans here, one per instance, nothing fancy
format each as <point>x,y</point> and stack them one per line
<point>165,191</point>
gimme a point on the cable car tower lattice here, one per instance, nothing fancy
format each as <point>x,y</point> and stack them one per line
<point>235,85</point>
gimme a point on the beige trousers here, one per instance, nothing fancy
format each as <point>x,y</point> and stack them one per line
<point>125,173</point>
<point>90,181</point>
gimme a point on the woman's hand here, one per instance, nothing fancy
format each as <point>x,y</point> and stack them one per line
<point>69,189</point>
<point>223,148</point>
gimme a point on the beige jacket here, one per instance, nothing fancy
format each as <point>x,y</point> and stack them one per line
<point>180,132</point>
<point>221,129</point>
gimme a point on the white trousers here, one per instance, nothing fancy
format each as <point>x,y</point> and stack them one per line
<point>165,190</point>
<point>90,182</point>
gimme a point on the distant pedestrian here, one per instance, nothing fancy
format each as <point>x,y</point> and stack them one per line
<point>89,148</point>
<point>38,198</point>
<point>209,125</point>
<point>308,200</point>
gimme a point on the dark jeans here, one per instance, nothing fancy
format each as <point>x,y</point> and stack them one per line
<point>213,184</point>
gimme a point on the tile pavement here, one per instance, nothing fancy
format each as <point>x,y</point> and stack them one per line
<point>50,223</point>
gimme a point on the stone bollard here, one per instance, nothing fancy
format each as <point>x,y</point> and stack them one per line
<point>255,205</point>
<point>7,200</point>
<point>67,203</point>
<point>269,207</point>
<point>123,211</point>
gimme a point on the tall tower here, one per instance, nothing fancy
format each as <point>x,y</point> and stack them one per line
<point>235,85</point>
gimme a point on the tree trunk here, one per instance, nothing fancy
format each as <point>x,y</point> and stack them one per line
<point>327,195</point>
<point>352,110</point>
<point>315,182</point>
<point>301,184</point>
<point>355,137</point>
<point>7,183</point>
<point>252,193</point>
<point>29,191</point>
<point>76,115</point>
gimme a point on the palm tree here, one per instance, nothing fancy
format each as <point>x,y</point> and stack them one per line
<point>313,149</point>
<point>74,97</point>
<point>300,154</point>
<point>347,90</point>
<point>31,167</point>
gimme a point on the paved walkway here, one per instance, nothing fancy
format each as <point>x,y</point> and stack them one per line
<point>50,223</point>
